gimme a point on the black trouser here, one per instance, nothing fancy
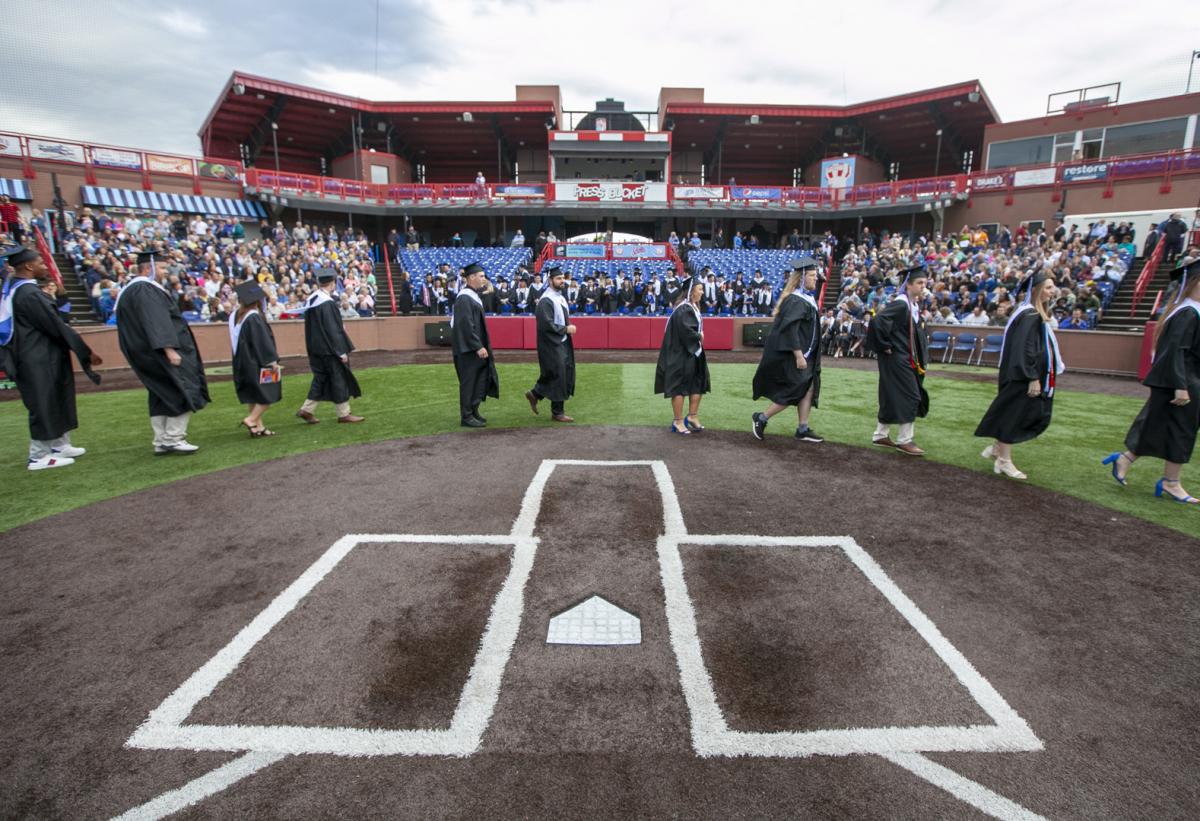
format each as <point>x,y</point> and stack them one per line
<point>1174,247</point>
<point>557,407</point>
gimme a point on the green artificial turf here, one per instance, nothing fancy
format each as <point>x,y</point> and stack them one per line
<point>416,400</point>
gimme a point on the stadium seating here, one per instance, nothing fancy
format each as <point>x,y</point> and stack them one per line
<point>583,268</point>
<point>498,262</point>
<point>775,264</point>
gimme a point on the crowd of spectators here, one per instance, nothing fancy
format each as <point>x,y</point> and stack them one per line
<point>206,257</point>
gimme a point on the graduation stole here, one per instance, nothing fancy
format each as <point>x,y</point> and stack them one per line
<point>912,337</point>
<point>318,298</point>
<point>469,292</point>
<point>817,329</point>
<point>135,281</point>
<point>235,327</point>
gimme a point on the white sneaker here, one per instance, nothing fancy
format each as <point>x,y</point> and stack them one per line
<point>988,453</point>
<point>179,447</point>
<point>1006,467</point>
<point>51,461</point>
<point>69,451</point>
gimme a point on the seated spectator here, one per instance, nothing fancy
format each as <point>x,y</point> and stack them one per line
<point>977,318</point>
<point>1075,322</point>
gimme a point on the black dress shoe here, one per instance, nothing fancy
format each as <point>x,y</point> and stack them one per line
<point>472,422</point>
<point>480,418</point>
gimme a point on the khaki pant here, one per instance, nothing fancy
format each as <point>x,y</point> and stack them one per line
<point>310,405</point>
<point>170,430</point>
<point>903,436</point>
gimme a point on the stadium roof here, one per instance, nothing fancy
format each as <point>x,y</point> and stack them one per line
<point>315,124</point>
<point>894,129</point>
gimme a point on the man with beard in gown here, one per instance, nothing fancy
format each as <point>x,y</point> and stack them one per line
<point>1029,366</point>
<point>328,353</point>
<point>789,373</point>
<point>36,354</point>
<point>161,349</point>
<point>556,351</point>
<point>898,338</point>
<point>256,367</point>
<point>1167,424</point>
<point>472,348</point>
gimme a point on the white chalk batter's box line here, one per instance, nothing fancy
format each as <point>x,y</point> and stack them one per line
<point>164,728</point>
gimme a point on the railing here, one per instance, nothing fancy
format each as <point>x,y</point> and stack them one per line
<point>29,147</point>
<point>1109,171</point>
<point>813,197</point>
<point>47,256</point>
<point>1143,280</point>
<point>387,267</point>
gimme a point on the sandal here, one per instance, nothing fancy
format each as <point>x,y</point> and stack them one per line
<point>247,426</point>
<point>684,432</point>
<point>261,432</point>
<point>690,425</point>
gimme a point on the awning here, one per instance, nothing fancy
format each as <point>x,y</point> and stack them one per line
<point>182,203</point>
<point>15,189</point>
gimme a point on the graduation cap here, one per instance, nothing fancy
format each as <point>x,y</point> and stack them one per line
<point>16,255</point>
<point>551,269</point>
<point>250,293</point>
<point>148,255</point>
<point>1029,283</point>
<point>685,289</point>
<point>326,274</point>
<point>1186,267</point>
<point>473,268</point>
<point>918,270</point>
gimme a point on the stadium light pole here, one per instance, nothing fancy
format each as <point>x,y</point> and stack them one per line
<point>937,159</point>
<point>1191,65</point>
<point>275,143</point>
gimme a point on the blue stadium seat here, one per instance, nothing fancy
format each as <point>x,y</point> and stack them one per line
<point>500,263</point>
<point>939,341</point>
<point>963,342</point>
<point>992,343</point>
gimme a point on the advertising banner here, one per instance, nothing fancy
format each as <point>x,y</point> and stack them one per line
<point>746,192</point>
<point>410,191</point>
<point>699,192</point>
<point>291,182</point>
<point>990,182</point>
<point>1034,176</point>
<point>838,172</point>
<point>230,172</point>
<point>638,250</point>
<point>113,158</point>
<point>610,192</point>
<point>585,250</point>
<point>52,150</point>
<point>1083,173</point>
<point>519,191</point>
<point>168,165</point>
<point>10,145</point>
<point>463,190</point>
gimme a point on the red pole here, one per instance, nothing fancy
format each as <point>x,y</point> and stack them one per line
<point>387,266</point>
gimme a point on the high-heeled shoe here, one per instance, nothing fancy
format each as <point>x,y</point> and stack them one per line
<point>690,425</point>
<point>1006,467</point>
<point>684,432</point>
<point>1113,459</point>
<point>989,452</point>
<point>1160,491</point>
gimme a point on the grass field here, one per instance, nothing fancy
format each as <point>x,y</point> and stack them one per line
<point>418,400</point>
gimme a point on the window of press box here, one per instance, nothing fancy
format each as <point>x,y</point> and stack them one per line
<point>1064,146</point>
<point>1030,151</point>
<point>1145,138</point>
<point>1093,144</point>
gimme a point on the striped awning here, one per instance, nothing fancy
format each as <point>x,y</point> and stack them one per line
<point>15,189</point>
<point>182,203</point>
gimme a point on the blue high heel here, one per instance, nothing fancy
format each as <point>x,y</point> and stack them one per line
<point>1111,459</point>
<point>684,432</point>
<point>1160,491</point>
<point>687,423</point>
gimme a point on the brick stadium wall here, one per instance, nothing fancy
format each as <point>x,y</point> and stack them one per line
<point>1094,351</point>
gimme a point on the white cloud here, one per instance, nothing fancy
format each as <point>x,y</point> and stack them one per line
<point>183,23</point>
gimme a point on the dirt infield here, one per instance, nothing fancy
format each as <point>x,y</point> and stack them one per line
<point>901,600</point>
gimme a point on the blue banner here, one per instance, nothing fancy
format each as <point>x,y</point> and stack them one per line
<point>1083,173</point>
<point>519,190</point>
<point>745,192</point>
<point>586,250</point>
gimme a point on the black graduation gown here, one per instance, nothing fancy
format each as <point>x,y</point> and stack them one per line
<point>1014,416</point>
<point>326,340</point>
<point>556,354</point>
<point>1163,430</point>
<point>680,371</point>
<point>255,351</point>
<point>797,327</point>
<point>38,359</point>
<point>902,396</point>
<point>477,377</point>
<point>148,320</point>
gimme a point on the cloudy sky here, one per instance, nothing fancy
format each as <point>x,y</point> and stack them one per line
<point>144,73</point>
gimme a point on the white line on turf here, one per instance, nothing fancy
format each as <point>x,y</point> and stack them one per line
<point>964,789</point>
<point>200,788</point>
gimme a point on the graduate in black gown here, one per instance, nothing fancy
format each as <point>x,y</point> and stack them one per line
<point>256,368</point>
<point>1166,426</point>
<point>1029,365</point>
<point>329,350</point>
<point>789,373</point>
<point>897,335</point>
<point>36,354</point>
<point>472,348</point>
<point>556,350</point>
<point>161,349</point>
<point>682,366</point>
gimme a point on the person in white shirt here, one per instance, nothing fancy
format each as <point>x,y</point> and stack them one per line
<point>518,240</point>
<point>977,317</point>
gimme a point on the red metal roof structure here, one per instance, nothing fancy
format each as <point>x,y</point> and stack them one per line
<point>315,125</point>
<point>761,143</point>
